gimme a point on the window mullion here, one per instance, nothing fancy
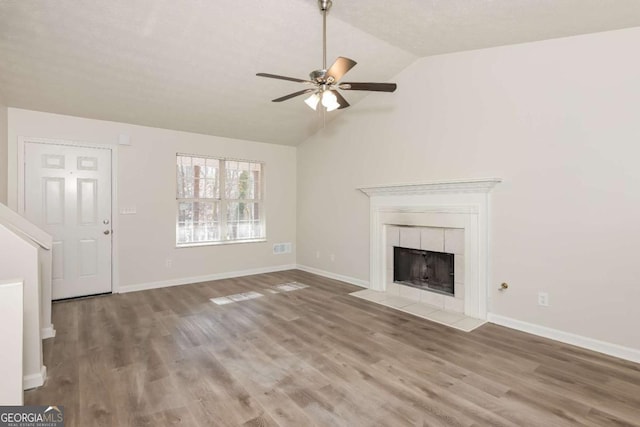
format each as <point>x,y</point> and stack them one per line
<point>223,202</point>
<point>191,199</point>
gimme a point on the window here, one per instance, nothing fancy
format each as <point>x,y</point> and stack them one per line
<point>218,200</point>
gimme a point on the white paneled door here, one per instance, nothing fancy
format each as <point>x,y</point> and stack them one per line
<point>68,194</point>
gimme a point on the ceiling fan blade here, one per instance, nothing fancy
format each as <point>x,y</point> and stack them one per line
<point>293,95</point>
<point>376,87</point>
<point>340,68</point>
<point>275,76</point>
<point>343,102</point>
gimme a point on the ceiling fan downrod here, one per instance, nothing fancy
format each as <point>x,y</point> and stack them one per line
<point>324,6</point>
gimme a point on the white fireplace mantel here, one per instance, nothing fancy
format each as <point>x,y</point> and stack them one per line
<point>483,185</point>
<point>450,204</point>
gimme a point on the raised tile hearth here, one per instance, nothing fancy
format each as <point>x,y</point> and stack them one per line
<point>421,309</point>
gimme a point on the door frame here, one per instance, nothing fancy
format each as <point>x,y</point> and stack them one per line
<point>22,140</point>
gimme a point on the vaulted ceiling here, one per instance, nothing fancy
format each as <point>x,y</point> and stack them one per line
<point>191,64</point>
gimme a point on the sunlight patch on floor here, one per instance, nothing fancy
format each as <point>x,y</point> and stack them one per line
<point>285,287</point>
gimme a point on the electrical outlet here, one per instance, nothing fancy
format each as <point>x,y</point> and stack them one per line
<point>317,254</point>
<point>168,263</point>
<point>543,299</point>
<point>332,257</point>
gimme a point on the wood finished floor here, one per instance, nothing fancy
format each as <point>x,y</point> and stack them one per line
<point>315,356</point>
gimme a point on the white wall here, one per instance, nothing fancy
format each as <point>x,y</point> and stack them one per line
<point>557,120</point>
<point>19,259</point>
<point>11,330</point>
<point>146,180</point>
<point>3,151</point>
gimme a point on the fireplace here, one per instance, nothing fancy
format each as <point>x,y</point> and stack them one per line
<point>458,207</point>
<point>422,269</point>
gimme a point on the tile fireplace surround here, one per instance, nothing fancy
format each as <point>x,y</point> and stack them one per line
<point>450,240</point>
<point>455,207</point>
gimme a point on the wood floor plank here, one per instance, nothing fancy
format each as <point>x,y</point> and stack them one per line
<point>313,357</point>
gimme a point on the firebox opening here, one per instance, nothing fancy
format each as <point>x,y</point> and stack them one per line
<point>432,271</point>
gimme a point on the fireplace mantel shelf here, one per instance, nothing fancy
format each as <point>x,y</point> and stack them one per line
<point>483,185</point>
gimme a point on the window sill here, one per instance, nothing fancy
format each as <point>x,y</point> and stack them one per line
<point>229,242</point>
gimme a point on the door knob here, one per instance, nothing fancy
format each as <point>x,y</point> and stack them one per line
<point>106,232</point>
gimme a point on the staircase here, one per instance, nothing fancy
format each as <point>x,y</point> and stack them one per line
<point>25,257</point>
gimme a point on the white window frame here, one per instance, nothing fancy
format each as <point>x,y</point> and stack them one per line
<point>223,202</point>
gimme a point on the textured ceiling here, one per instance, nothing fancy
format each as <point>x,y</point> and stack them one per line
<point>190,65</point>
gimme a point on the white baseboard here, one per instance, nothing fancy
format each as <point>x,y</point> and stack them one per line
<point>615,350</point>
<point>327,274</point>
<point>199,279</point>
<point>47,332</point>
<point>34,380</point>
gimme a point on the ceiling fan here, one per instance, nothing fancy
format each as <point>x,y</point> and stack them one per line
<point>326,82</point>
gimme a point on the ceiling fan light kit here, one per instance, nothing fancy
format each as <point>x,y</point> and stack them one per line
<point>313,101</point>
<point>326,82</point>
